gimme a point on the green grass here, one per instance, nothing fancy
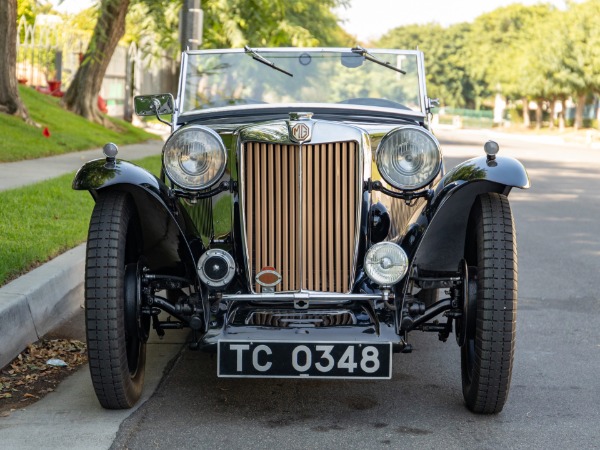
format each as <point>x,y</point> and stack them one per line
<point>40,221</point>
<point>68,132</point>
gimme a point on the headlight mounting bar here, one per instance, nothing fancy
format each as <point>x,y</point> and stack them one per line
<point>193,196</point>
<point>408,197</point>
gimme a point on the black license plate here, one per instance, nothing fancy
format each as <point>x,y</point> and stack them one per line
<point>304,359</point>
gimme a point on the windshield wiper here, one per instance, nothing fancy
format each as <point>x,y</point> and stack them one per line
<point>365,54</point>
<point>265,61</point>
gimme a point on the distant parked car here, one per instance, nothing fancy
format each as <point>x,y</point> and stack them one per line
<point>303,226</point>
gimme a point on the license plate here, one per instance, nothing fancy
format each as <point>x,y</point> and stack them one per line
<point>304,359</point>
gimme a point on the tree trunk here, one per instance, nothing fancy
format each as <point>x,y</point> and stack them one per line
<point>526,120</point>
<point>563,114</point>
<point>538,115</point>
<point>579,111</point>
<point>552,112</point>
<point>82,95</point>
<point>597,111</point>
<point>10,102</point>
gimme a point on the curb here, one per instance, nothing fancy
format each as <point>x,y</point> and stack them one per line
<point>39,301</point>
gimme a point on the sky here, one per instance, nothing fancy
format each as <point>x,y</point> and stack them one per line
<point>370,19</point>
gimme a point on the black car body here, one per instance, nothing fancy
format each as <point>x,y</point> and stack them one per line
<point>303,226</point>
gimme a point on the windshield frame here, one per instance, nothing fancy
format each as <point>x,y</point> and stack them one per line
<point>328,108</point>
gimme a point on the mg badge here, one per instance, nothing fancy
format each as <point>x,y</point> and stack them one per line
<point>300,126</point>
<point>300,132</point>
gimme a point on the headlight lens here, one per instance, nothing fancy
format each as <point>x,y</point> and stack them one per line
<point>409,158</point>
<point>386,263</point>
<point>194,157</point>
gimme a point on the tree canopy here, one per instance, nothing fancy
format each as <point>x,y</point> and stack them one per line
<point>227,23</point>
<point>525,53</point>
<point>10,101</point>
<point>536,53</point>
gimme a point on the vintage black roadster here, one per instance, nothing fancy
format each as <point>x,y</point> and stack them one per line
<point>303,225</point>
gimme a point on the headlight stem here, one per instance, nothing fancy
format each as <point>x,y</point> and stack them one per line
<point>387,298</point>
<point>408,197</point>
<point>195,196</point>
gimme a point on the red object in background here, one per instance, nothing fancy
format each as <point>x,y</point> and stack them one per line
<point>46,132</point>
<point>102,105</point>
<point>54,88</point>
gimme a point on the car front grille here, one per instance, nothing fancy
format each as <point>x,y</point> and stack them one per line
<point>287,319</point>
<point>300,213</point>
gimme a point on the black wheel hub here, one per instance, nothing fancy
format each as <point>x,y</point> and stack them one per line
<point>137,325</point>
<point>465,327</point>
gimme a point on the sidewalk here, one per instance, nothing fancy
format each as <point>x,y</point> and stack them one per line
<point>42,299</point>
<point>22,173</point>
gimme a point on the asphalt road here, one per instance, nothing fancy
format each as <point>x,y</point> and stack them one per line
<point>555,395</point>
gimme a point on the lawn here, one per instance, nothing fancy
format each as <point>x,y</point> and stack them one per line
<point>68,132</point>
<point>40,221</point>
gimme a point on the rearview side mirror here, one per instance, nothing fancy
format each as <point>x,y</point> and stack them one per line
<point>154,105</point>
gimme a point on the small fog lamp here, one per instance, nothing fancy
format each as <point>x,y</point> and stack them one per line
<point>386,263</point>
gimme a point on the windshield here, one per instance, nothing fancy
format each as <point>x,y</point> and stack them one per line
<point>236,77</point>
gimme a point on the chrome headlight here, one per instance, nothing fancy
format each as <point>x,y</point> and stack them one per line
<point>409,157</point>
<point>194,157</point>
<point>386,263</point>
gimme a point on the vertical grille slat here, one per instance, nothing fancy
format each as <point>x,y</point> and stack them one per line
<point>300,209</point>
<point>285,223</point>
<point>344,218</point>
<point>316,226</point>
<point>264,176</point>
<point>249,171</point>
<point>271,231</point>
<point>330,228</point>
<point>323,217</point>
<point>294,241</point>
<point>338,219</point>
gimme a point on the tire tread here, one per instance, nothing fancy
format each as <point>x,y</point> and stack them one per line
<point>107,352</point>
<point>488,388</point>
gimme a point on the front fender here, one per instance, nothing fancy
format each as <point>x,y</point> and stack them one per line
<point>437,240</point>
<point>169,236</point>
<point>99,174</point>
<point>502,170</point>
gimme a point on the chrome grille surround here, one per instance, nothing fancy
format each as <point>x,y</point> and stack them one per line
<point>296,184</point>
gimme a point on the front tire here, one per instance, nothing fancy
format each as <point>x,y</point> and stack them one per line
<point>487,354</point>
<point>116,353</point>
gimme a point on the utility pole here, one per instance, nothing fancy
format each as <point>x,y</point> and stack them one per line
<point>190,25</point>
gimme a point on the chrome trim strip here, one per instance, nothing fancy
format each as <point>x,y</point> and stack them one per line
<point>304,295</point>
<point>300,218</point>
<point>422,86</point>
<point>181,91</point>
<point>318,108</point>
<point>242,202</point>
